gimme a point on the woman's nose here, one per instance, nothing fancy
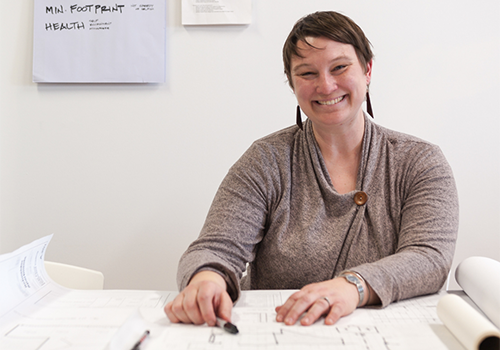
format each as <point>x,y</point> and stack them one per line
<point>326,84</point>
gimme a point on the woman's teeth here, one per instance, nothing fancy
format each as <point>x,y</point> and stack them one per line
<point>331,102</point>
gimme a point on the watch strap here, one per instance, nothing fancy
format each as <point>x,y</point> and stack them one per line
<point>355,279</point>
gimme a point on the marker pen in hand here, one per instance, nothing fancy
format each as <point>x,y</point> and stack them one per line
<point>227,326</point>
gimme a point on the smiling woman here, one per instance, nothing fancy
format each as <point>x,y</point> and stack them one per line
<point>329,82</point>
<point>345,210</point>
<point>330,85</point>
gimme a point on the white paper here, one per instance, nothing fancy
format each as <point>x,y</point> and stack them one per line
<point>38,314</point>
<point>106,41</point>
<point>79,319</point>
<point>205,12</point>
<point>22,274</point>
<point>410,324</point>
<point>470,327</point>
<point>52,317</point>
<point>480,279</point>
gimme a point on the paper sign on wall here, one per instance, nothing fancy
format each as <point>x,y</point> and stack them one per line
<point>203,12</point>
<point>106,41</point>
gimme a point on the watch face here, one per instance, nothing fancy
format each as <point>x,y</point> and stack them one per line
<point>351,278</point>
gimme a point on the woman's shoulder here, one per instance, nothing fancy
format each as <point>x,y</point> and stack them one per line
<point>398,140</point>
<point>278,143</point>
<point>270,151</point>
<point>405,150</point>
<point>284,136</point>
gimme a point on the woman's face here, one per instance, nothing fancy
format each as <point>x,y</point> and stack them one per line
<point>329,82</point>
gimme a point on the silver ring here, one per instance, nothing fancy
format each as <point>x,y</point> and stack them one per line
<point>327,300</point>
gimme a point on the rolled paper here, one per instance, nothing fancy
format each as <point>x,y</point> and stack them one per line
<point>471,328</point>
<point>480,279</point>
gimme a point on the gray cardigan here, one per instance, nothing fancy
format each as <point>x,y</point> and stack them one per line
<point>277,210</point>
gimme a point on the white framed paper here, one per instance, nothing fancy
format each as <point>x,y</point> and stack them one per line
<point>211,12</point>
<point>108,41</point>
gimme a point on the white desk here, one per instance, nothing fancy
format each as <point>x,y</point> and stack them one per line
<point>91,319</point>
<point>37,314</point>
<point>411,324</point>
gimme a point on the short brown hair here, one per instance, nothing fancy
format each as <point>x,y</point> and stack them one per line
<point>331,25</point>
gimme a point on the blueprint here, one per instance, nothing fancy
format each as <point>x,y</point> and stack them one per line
<point>38,314</point>
<point>411,324</point>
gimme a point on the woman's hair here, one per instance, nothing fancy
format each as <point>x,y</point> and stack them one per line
<point>331,25</point>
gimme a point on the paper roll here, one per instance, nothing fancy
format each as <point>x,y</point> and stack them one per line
<point>472,329</point>
<point>480,279</point>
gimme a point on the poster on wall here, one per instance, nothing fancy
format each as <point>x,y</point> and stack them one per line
<point>106,41</point>
<point>207,12</point>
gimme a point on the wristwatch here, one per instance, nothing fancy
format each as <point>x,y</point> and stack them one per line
<point>354,278</point>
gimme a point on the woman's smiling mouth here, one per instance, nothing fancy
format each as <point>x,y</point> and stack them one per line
<point>331,102</point>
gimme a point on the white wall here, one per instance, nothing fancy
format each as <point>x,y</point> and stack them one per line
<point>123,175</point>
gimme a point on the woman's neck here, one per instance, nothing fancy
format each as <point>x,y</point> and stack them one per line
<point>341,150</point>
<point>342,141</point>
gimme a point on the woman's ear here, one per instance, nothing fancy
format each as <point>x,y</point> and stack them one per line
<point>368,73</point>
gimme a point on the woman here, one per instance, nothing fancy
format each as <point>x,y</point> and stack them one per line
<point>349,212</point>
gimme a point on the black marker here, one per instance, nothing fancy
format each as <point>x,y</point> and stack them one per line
<point>227,326</point>
<point>137,345</point>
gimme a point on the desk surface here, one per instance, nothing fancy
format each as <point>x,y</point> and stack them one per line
<point>38,314</point>
<point>91,319</point>
<point>411,324</point>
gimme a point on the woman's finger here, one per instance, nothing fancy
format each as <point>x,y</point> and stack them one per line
<point>295,307</point>
<point>177,313</point>
<point>282,310</point>
<point>336,298</point>
<point>191,307</point>
<point>320,307</point>
<point>209,300</point>
<point>225,307</point>
<point>171,316</point>
<point>334,315</point>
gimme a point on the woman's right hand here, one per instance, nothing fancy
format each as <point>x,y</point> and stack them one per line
<point>204,299</point>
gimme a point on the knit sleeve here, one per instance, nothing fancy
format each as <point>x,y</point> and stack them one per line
<point>427,234</point>
<point>236,221</point>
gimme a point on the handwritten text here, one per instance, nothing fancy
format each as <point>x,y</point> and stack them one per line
<point>96,9</point>
<point>65,26</point>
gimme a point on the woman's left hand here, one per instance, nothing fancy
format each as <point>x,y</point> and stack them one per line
<point>334,298</point>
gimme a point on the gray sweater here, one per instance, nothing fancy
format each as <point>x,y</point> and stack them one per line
<point>277,210</point>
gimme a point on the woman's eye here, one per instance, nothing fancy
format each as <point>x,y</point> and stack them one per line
<point>338,68</point>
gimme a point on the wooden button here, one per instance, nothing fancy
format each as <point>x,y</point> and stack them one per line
<point>360,198</point>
